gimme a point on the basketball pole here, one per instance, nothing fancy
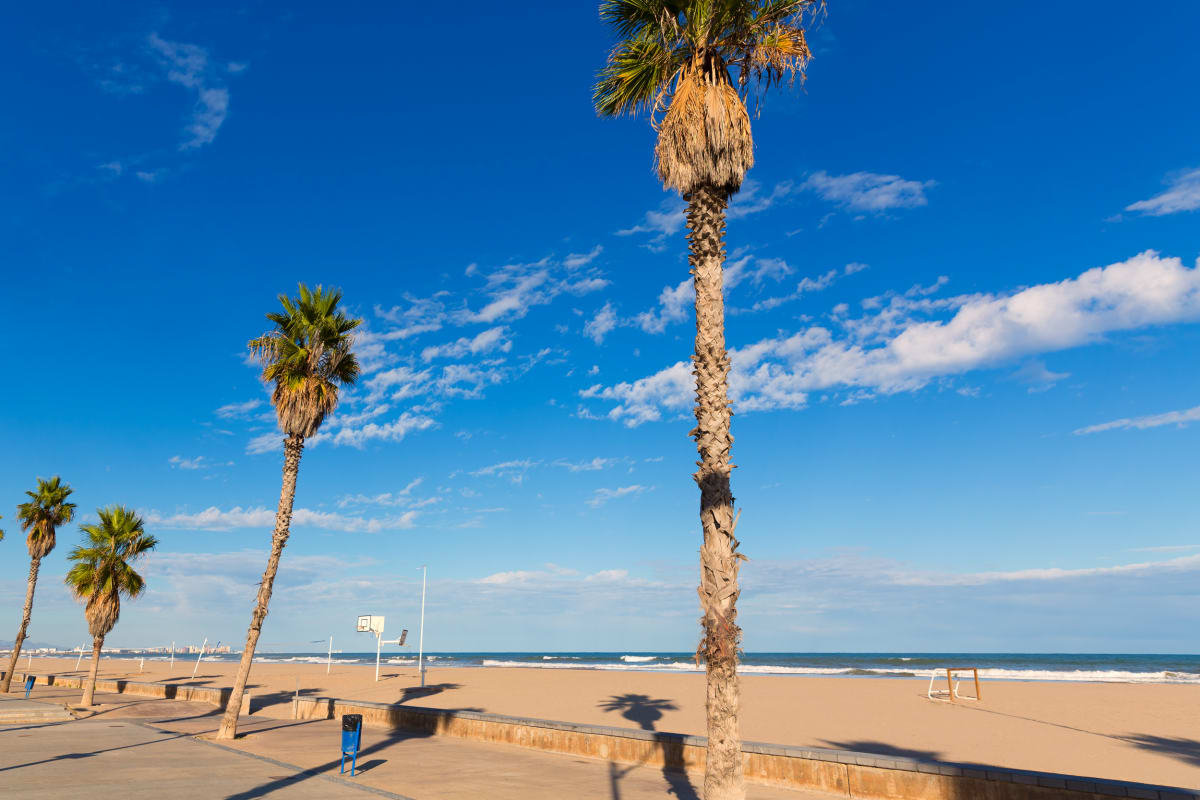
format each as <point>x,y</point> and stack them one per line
<point>378,642</point>
<point>199,657</point>
<point>329,658</point>
<point>421,635</point>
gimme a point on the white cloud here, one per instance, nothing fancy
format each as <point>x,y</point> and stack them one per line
<point>608,575</point>
<point>1183,194</point>
<point>672,307</point>
<point>896,347</point>
<point>187,65</point>
<point>514,470</point>
<point>587,466</point>
<point>602,496</point>
<point>667,221</point>
<point>394,431</point>
<point>483,342</point>
<point>642,400</point>
<point>238,410</point>
<point>515,288</point>
<point>576,260</point>
<point>1178,418</point>
<point>213,518</point>
<point>809,285</point>
<point>867,191</point>
<point>601,325</point>
<point>751,201</point>
<point>265,443</point>
<point>386,499</point>
<point>199,462</point>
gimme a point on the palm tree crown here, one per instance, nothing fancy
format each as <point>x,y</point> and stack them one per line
<point>307,356</point>
<point>103,569</point>
<point>697,60</point>
<point>46,509</point>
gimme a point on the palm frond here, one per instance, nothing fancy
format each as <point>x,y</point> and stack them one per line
<point>307,356</point>
<point>102,568</point>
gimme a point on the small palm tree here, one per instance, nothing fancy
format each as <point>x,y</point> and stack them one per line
<point>103,571</point>
<point>46,509</point>
<point>307,357</point>
<point>695,61</point>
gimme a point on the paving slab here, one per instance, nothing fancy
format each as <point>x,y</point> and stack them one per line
<point>125,760</point>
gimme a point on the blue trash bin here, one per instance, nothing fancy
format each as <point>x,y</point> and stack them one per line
<point>29,681</point>
<point>351,739</point>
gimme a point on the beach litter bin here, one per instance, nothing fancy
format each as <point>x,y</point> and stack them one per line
<point>351,738</point>
<point>29,681</point>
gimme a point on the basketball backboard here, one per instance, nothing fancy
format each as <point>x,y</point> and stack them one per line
<point>369,623</point>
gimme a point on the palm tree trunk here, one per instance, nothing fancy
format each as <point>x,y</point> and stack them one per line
<point>293,447</point>
<point>34,565</point>
<point>89,688</point>
<point>719,558</point>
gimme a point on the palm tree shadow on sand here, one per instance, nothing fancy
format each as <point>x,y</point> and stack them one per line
<point>645,711</point>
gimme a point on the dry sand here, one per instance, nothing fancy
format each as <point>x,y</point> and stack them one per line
<point>1138,732</point>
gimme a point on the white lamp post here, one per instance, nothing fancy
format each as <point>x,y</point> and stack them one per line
<point>421,633</point>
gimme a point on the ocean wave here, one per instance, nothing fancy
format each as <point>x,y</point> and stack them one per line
<point>638,659</point>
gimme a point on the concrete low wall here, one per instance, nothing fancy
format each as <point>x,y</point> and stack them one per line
<point>216,696</point>
<point>839,772</point>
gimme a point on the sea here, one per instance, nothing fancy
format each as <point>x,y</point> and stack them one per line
<point>1083,667</point>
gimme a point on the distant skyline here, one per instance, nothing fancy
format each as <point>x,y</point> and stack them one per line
<point>963,293</point>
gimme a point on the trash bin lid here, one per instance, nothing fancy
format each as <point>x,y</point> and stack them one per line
<point>351,722</point>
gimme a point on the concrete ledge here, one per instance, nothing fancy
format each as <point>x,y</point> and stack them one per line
<point>839,772</point>
<point>216,696</point>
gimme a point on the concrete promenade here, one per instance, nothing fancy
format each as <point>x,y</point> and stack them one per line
<point>136,747</point>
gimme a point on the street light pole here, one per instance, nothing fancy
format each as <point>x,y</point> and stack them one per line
<point>421,635</point>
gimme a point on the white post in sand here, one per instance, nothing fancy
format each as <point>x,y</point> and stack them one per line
<point>199,657</point>
<point>421,635</point>
<point>378,641</point>
<point>29,662</point>
<point>172,654</point>
<point>329,658</point>
<point>142,667</point>
<point>80,657</point>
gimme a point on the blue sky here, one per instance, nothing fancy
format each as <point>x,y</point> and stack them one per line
<point>963,296</point>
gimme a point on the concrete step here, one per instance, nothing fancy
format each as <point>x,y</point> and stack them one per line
<point>26,711</point>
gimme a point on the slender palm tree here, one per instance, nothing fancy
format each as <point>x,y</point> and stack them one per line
<point>46,509</point>
<point>103,571</point>
<point>308,357</point>
<point>692,65</point>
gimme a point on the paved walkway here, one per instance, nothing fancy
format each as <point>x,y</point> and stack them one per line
<point>124,760</point>
<point>137,748</point>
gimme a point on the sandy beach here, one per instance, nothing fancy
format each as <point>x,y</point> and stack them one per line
<point>1135,732</point>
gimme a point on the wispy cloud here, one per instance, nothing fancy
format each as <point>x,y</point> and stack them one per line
<point>1177,418</point>
<point>188,66</point>
<point>238,410</point>
<point>666,221</point>
<point>602,496</point>
<point>577,260</point>
<point>897,347</point>
<point>867,191</point>
<point>197,463</point>
<point>1182,194</point>
<point>492,339</point>
<point>601,324</point>
<point>214,518</point>
<point>587,466</point>
<point>513,470</point>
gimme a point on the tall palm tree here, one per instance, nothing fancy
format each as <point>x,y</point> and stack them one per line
<point>307,357</point>
<point>46,509</point>
<point>696,62</point>
<point>103,572</point>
